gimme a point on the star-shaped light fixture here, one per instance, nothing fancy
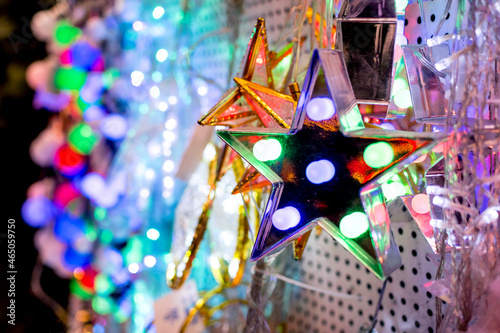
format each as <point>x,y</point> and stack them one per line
<point>254,97</point>
<point>327,169</point>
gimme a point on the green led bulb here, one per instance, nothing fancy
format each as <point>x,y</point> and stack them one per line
<point>354,225</point>
<point>378,155</point>
<point>65,33</point>
<point>69,78</point>
<point>82,139</point>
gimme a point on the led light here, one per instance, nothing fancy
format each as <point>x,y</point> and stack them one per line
<point>154,92</point>
<point>114,127</point>
<point>101,305</point>
<point>37,211</point>
<point>399,84</point>
<point>65,33</point>
<point>202,91</point>
<point>157,76</point>
<point>286,218</point>
<point>168,182</point>
<point>136,77</point>
<point>393,189</point>
<point>149,261</point>
<point>209,153</point>
<point>169,136</point>
<point>378,155</point>
<point>162,106</point>
<point>82,138</point>
<point>92,184</point>
<point>138,25</point>
<point>133,268</point>
<point>158,12</point>
<point>420,159</point>
<point>388,126</point>
<point>171,124</point>
<point>153,234</point>
<point>401,5</point>
<point>70,78</point>
<point>149,174</point>
<point>320,108</point>
<point>144,193</point>
<point>161,55</point>
<point>403,98</point>
<point>420,203</point>
<point>93,113</point>
<point>321,171</point>
<point>267,150</point>
<point>168,166</point>
<point>354,225</point>
<point>172,100</point>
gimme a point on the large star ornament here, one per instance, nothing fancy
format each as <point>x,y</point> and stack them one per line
<point>327,169</point>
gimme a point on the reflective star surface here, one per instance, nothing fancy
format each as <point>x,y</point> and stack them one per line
<point>327,169</point>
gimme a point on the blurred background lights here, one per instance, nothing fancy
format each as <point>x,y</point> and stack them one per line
<point>168,182</point>
<point>144,193</point>
<point>168,166</point>
<point>149,174</point>
<point>171,124</point>
<point>149,261</point>
<point>321,171</point>
<point>158,12</point>
<point>92,184</point>
<point>136,78</point>
<point>202,91</point>
<point>209,152</point>
<point>354,225</point>
<point>114,127</point>
<point>133,268</point>
<point>286,218</point>
<point>267,150</point>
<point>37,211</point>
<point>420,203</point>
<point>93,113</point>
<point>153,234</point>
<point>161,55</point>
<point>162,106</point>
<point>138,25</point>
<point>320,108</point>
<point>172,100</point>
<point>378,155</point>
<point>154,92</point>
<point>157,76</point>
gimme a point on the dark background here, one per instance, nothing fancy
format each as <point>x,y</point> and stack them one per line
<point>19,125</point>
